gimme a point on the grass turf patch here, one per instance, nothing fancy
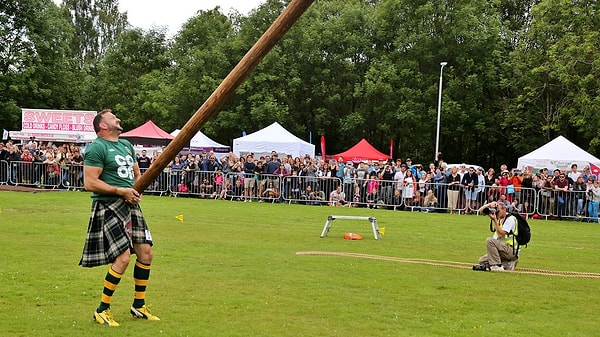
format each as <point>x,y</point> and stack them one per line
<point>231,269</point>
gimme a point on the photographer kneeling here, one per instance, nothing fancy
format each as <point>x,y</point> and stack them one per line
<point>499,247</point>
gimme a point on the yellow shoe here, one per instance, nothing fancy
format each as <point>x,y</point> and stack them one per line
<point>105,318</point>
<point>144,313</point>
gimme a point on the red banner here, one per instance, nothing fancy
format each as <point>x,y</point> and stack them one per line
<point>323,147</point>
<point>595,169</point>
<point>392,148</point>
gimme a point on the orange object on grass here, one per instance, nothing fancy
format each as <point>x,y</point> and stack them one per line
<point>352,236</point>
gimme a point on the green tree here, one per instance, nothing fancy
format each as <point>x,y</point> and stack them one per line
<point>97,25</point>
<point>411,40</point>
<point>130,78</point>
<point>309,81</point>
<point>558,62</point>
<point>35,68</point>
<point>519,73</point>
<point>202,56</point>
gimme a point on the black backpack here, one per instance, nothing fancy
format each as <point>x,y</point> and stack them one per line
<point>523,235</point>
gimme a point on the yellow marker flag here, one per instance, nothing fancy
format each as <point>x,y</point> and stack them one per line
<point>179,217</point>
<point>382,230</point>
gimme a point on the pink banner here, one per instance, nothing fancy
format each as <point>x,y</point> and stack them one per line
<point>57,120</point>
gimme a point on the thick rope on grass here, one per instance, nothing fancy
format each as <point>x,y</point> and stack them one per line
<point>454,264</point>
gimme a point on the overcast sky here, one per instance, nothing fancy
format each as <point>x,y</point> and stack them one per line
<point>173,13</point>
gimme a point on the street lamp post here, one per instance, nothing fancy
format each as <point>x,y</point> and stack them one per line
<point>439,111</point>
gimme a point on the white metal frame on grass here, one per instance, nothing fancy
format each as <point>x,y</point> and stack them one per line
<point>372,220</point>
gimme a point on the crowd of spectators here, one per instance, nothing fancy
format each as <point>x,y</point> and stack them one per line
<point>41,163</point>
<point>314,181</point>
<point>385,184</point>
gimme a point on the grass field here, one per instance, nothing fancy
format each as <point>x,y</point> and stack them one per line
<point>231,269</point>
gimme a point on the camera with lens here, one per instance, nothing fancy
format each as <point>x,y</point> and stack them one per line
<point>489,210</point>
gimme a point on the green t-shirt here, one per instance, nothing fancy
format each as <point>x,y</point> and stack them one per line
<point>116,160</point>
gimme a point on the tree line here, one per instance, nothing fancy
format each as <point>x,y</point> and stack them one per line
<point>518,74</point>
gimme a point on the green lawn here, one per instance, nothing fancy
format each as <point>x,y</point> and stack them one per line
<point>231,269</point>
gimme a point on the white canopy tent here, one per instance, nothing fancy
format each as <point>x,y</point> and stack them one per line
<point>558,153</point>
<point>200,141</point>
<point>273,137</point>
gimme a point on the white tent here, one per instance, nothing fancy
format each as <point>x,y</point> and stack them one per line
<point>558,153</point>
<point>273,137</point>
<point>200,141</point>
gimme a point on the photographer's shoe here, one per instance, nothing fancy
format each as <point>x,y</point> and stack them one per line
<point>496,268</point>
<point>481,267</point>
<point>511,265</point>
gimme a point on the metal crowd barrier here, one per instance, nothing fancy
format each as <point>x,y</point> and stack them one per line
<point>34,174</point>
<point>4,172</point>
<point>40,175</point>
<point>160,185</point>
<point>72,177</point>
<point>564,204</point>
<point>309,190</point>
<point>392,195</point>
<point>22,173</point>
<point>196,183</point>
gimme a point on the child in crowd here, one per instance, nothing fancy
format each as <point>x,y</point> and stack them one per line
<point>430,201</point>
<point>372,190</point>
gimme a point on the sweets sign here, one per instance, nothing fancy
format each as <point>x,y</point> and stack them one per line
<point>57,120</point>
<point>56,125</point>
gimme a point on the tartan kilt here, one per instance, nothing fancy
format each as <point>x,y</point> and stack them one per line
<point>113,229</point>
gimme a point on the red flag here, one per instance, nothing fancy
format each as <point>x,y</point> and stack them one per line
<point>323,147</point>
<point>595,169</point>
<point>391,148</point>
